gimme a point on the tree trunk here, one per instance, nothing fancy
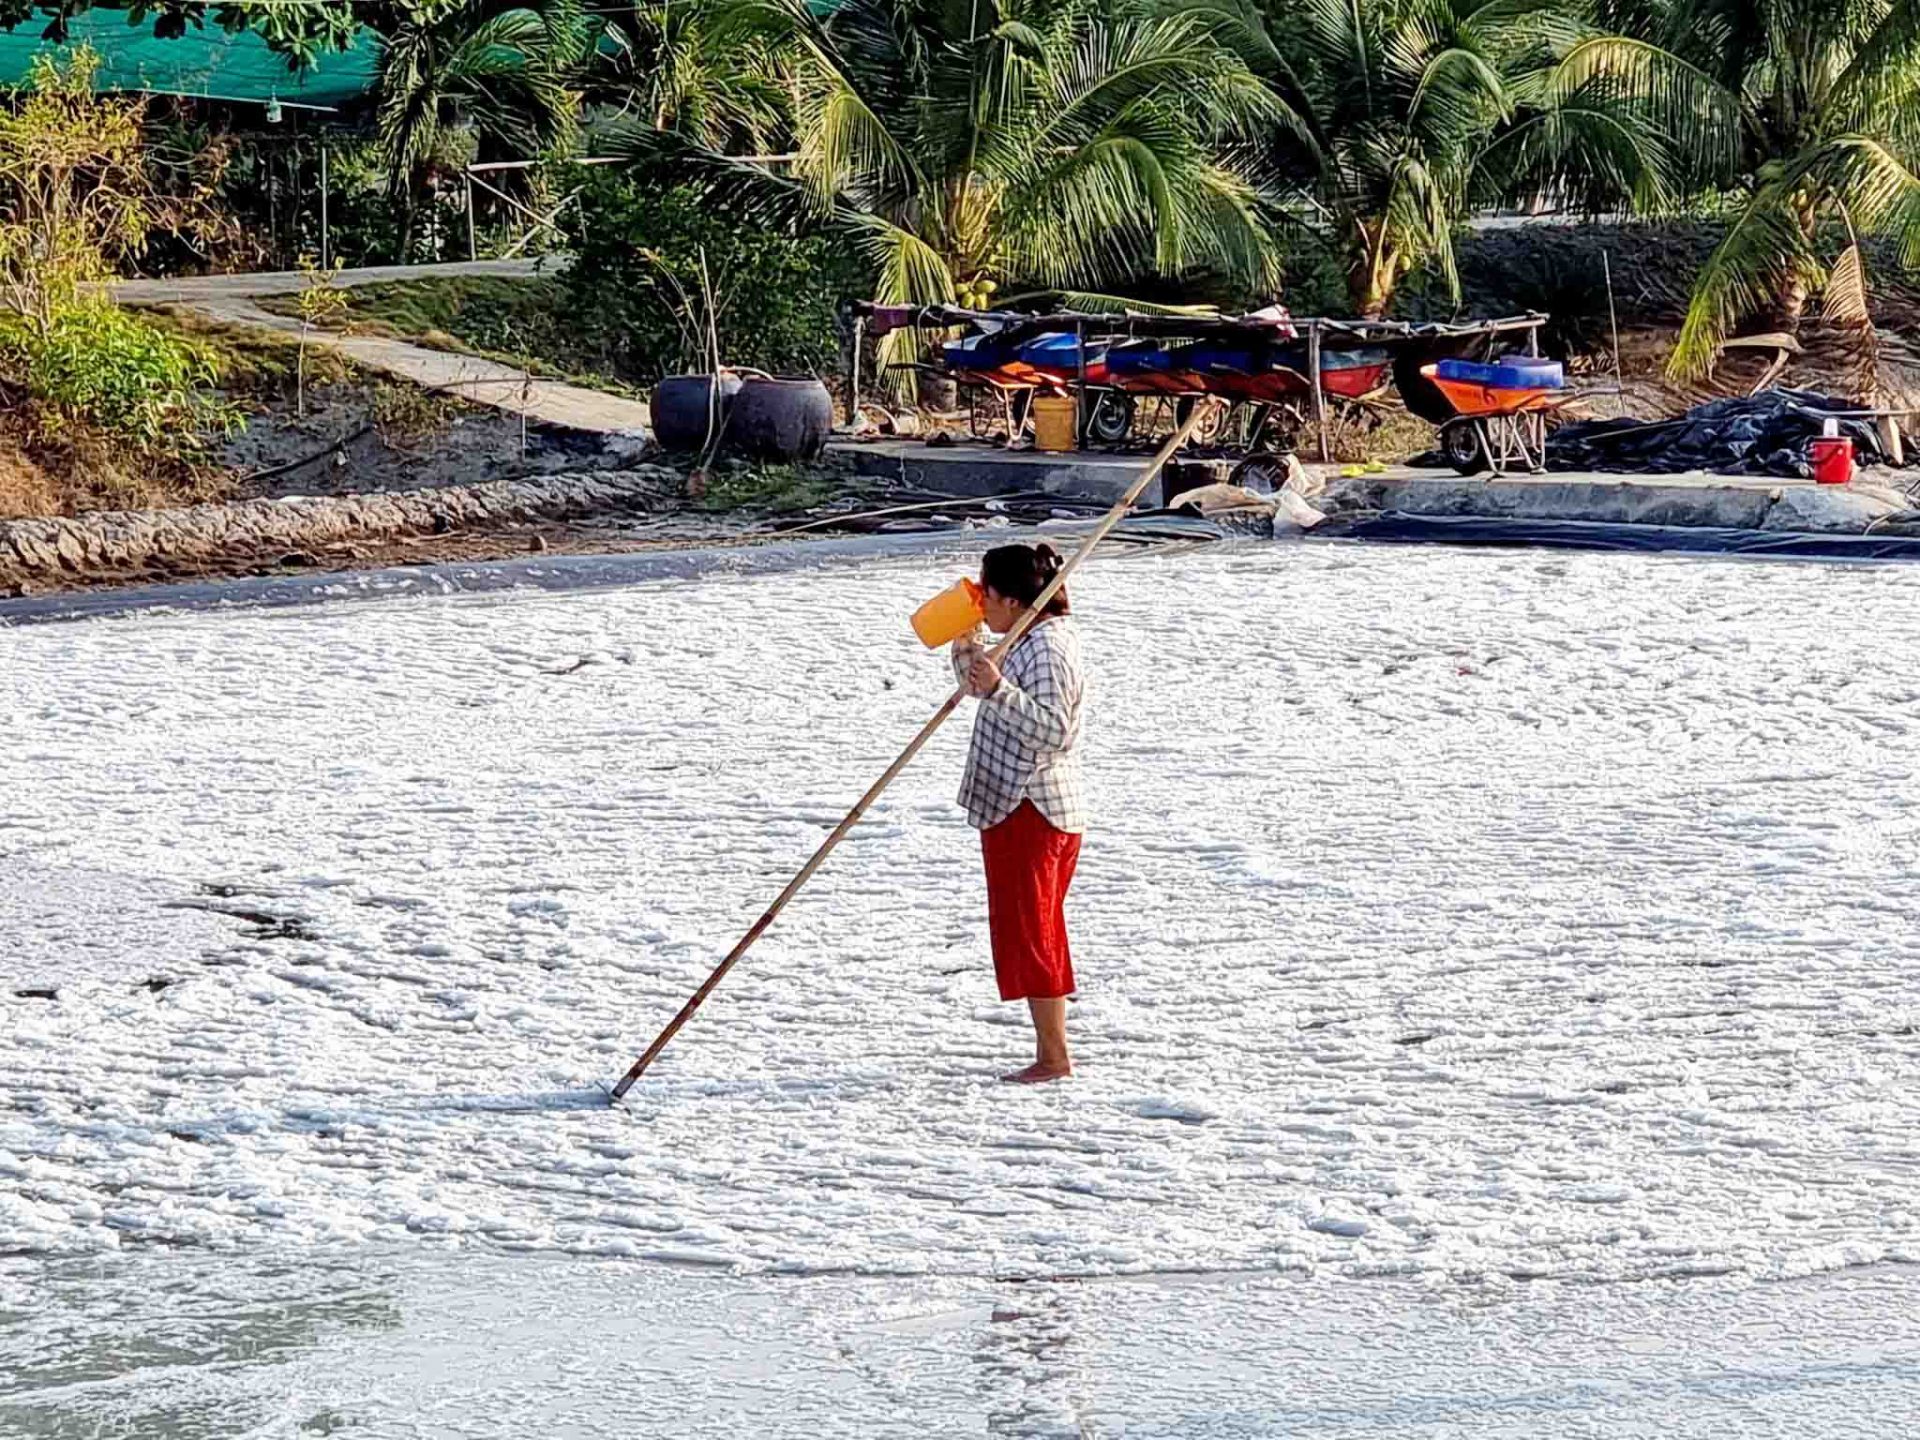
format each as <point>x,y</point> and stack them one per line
<point>409,215</point>
<point>1791,295</point>
<point>1790,303</point>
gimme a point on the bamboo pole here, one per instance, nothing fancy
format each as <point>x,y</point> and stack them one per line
<point>853,816</point>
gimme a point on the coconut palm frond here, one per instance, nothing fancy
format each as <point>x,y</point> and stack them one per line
<point>1845,298</point>
<point>1766,245</point>
<point>756,192</point>
<point>503,69</point>
<point>1879,73</point>
<point>1698,115</point>
<point>1459,95</point>
<point>1063,143</point>
<point>1881,190</point>
<point>706,70</point>
<point>1585,147</point>
<point>1093,302</point>
<point>910,271</point>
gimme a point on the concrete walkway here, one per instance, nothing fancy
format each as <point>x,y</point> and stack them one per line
<point>232,300</point>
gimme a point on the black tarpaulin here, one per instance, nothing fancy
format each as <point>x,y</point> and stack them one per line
<point>1764,434</point>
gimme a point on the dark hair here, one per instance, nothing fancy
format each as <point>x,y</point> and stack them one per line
<point>1021,572</point>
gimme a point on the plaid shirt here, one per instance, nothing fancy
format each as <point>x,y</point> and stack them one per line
<point>1026,735</point>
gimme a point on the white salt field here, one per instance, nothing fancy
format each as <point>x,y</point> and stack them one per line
<point>1499,966</point>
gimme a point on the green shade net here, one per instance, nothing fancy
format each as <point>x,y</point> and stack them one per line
<point>206,63</point>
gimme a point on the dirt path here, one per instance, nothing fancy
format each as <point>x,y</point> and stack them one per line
<point>231,300</point>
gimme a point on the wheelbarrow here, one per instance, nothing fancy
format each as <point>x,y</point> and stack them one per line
<point>1500,412</point>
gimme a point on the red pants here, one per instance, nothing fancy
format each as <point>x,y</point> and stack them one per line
<point>1029,867</point>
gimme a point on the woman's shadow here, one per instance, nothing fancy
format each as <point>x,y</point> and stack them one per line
<point>1030,1367</point>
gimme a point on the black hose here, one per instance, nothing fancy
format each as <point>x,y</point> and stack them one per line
<point>305,460</point>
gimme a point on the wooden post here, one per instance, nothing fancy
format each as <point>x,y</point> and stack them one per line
<point>1613,324</point>
<point>1890,441</point>
<point>1080,415</point>
<point>853,389</point>
<point>1319,391</point>
<point>326,241</point>
<point>1025,622</point>
<point>473,239</point>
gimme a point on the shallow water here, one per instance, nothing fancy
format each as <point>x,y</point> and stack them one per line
<point>367,1340</point>
<point>1458,916</point>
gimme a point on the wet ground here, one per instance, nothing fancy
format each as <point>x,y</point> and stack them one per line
<point>1497,1017</point>
<point>481,1346</point>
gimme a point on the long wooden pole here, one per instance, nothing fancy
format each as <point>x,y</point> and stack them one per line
<point>853,816</point>
<point>1319,389</point>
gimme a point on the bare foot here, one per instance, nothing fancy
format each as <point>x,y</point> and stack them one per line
<point>1039,1074</point>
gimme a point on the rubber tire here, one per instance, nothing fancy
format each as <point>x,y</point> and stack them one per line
<point>1460,444</point>
<point>1111,419</point>
<point>1262,474</point>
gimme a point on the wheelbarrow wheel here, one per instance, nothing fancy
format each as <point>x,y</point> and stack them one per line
<point>1262,474</point>
<point>1460,443</point>
<point>1111,419</point>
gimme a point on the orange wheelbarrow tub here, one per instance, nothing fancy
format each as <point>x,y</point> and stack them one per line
<point>1500,413</point>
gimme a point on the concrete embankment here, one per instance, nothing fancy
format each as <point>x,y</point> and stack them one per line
<point>1876,503</point>
<point>1708,501</point>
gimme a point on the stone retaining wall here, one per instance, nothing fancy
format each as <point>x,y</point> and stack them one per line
<point>36,552</point>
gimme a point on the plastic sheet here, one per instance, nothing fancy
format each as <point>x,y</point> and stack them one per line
<point>1396,526</point>
<point>1765,434</point>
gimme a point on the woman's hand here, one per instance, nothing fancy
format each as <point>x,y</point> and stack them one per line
<point>983,676</point>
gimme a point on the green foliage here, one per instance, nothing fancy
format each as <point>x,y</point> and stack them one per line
<point>320,302</point>
<point>74,194</point>
<point>639,246</point>
<point>1064,145</point>
<point>684,69</point>
<point>259,365</point>
<point>96,365</point>
<point>775,488</point>
<point>459,74</point>
<point>1397,118</point>
<point>1807,108</point>
<point>299,31</point>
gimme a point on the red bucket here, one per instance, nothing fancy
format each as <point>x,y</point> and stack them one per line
<point>1832,457</point>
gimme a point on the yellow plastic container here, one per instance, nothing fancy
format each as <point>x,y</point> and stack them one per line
<point>950,614</point>
<point>1054,419</point>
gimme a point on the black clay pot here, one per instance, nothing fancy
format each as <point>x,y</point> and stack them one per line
<point>780,419</point>
<point>682,408</point>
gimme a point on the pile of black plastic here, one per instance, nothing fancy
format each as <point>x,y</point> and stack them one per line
<point>1764,434</point>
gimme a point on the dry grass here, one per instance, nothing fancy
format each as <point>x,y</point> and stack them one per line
<point>25,487</point>
<point>1385,432</point>
<point>76,471</point>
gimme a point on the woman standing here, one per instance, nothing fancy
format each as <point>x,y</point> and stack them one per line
<point>1022,791</point>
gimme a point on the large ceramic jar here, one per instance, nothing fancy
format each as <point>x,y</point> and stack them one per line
<point>685,410</point>
<point>781,419</point>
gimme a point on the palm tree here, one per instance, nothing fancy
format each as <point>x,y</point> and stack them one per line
<point>1399,117</point>
<point>676,66</point>
<point>1056,143</point>
<point>496,72</point>
<point>1810,109</point>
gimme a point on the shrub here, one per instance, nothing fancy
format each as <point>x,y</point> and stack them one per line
<point>92,364</point>
<point>636,284</point>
